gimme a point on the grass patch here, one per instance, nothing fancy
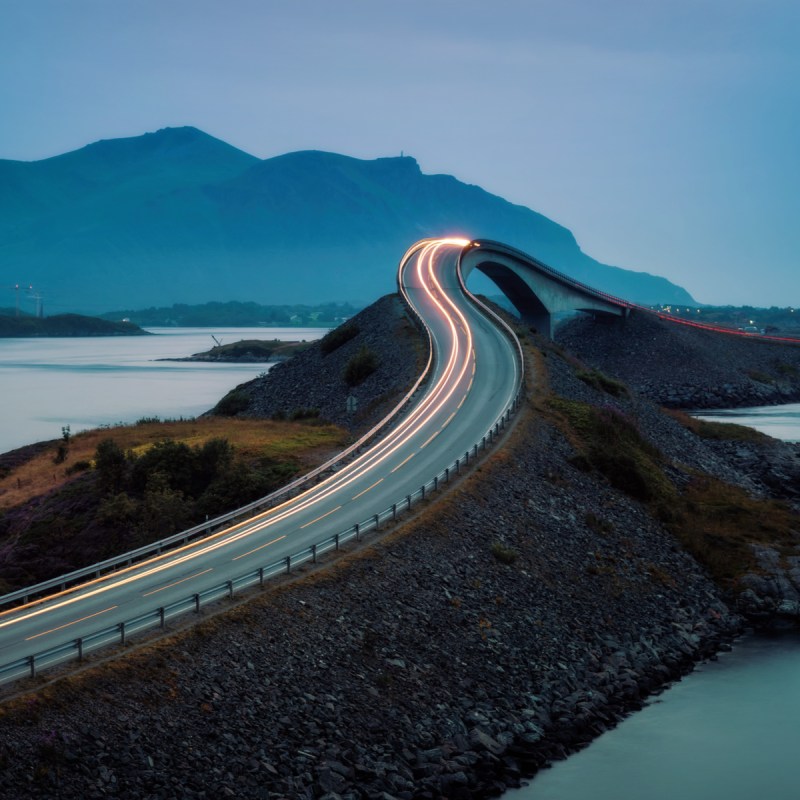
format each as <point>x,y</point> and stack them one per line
<point>503,553</point>
<point>252,439</point>
<point>760,377</point>
<point>787,370</point>
<point>714,521</point>
<point>597,524</point>
<point>232,404</point>
<point>717,523</point>
<point>609,442</point>
<point>360,366</point>
<point>334,339</point>
<point>602,383</point>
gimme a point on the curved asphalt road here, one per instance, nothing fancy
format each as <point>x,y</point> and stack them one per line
<point>475,377</point>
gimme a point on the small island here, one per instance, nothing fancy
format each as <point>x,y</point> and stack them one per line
<point>60,325</point>
<point>248,351</point>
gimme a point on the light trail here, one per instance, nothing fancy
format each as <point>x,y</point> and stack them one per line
<point>456,346</point>
<point>176,583</point>
<point>70,624</point>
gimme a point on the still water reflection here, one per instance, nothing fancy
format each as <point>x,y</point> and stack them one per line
<point>729,730</point>
<point>88,382</point>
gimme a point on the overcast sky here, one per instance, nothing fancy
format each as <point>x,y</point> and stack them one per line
<point>663,133</point>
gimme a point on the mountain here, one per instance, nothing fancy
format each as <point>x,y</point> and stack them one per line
<point>179,216</point>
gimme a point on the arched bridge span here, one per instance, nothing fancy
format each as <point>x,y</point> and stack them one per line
<point>534,289</point>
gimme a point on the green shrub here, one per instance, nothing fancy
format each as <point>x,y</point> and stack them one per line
<point>503,553</point>
<point>78,466</point>
<point>360,366</point>
<point>602,383</point>
<point>337,337</point>
<point>760,377</point>
<point>598,524</point>
<point>610,443</point>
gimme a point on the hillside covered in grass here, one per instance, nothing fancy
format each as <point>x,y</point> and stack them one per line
<point>93,495</point>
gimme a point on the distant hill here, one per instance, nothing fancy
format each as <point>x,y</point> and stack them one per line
<point>178,216</point>
<point>60,325</point>
<point>235,314</point>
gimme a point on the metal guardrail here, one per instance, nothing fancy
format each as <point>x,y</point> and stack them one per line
<point>31,665</point>
<point>237,516</point>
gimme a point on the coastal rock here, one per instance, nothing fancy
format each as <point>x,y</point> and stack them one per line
<point>424,666</point>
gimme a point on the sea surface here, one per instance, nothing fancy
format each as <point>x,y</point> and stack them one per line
<point>730,729</point>
<point>46,384</point>
<point>782,422</point>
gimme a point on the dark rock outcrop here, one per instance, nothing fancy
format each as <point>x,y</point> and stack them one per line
<point>683,367</point>
<point>313,381</point>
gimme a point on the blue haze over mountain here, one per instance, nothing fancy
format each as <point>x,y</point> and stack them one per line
<point>179,216</point>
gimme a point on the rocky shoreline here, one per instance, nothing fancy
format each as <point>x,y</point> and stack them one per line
<point>516,619</point>
<point>682,367</point>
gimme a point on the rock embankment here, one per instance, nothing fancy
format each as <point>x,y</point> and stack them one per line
<point>682,367</point>
<point>313,382</point>
<point>513,622</point>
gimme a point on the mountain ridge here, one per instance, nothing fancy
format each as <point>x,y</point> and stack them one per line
<point>180,216</point>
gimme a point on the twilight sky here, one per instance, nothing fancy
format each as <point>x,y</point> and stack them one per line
<point>664,133</point>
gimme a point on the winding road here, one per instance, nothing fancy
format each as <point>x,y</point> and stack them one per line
<point>475,378</point>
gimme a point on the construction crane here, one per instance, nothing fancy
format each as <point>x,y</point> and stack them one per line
<point>38,297</point>
<point>15,288</point>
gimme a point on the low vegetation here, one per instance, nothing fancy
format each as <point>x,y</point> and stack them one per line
<point>721,431</point>
<point>715,521</point>
<point>337,337</point>
<point>503,553</point>
<point>122,487</point>
<point>718,522</point>
<point>360,366</point>
<point>609,442</point>
<point>602,383</point>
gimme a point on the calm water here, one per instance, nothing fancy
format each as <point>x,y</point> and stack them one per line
<point>729,730</point>
<point>782,422</point>
<point>88,382</point>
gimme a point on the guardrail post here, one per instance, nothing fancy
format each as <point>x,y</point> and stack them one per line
<point>458,466</point>
<point>422,490</point>
<point>261,576</point>
<point>447,475</point>
<point>377,519</point>
<point>161,617</point>
<point>475,451</point>
<point>230,590</point>
<point>32,664</point>
<point>79,642</point>
<point>435,482</point>
<point>408,500</point>
<point>358,531</point>
<point>122,633</point>
<point>313,554</point>
<point>288,564</point>
<point>336,541</point>
<point>483,444</point>
<point>197,603</point>
<point>394,511</point>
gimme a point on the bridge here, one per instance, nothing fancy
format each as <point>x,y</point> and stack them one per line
<point>459,405</point>
<point>536,290</point>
